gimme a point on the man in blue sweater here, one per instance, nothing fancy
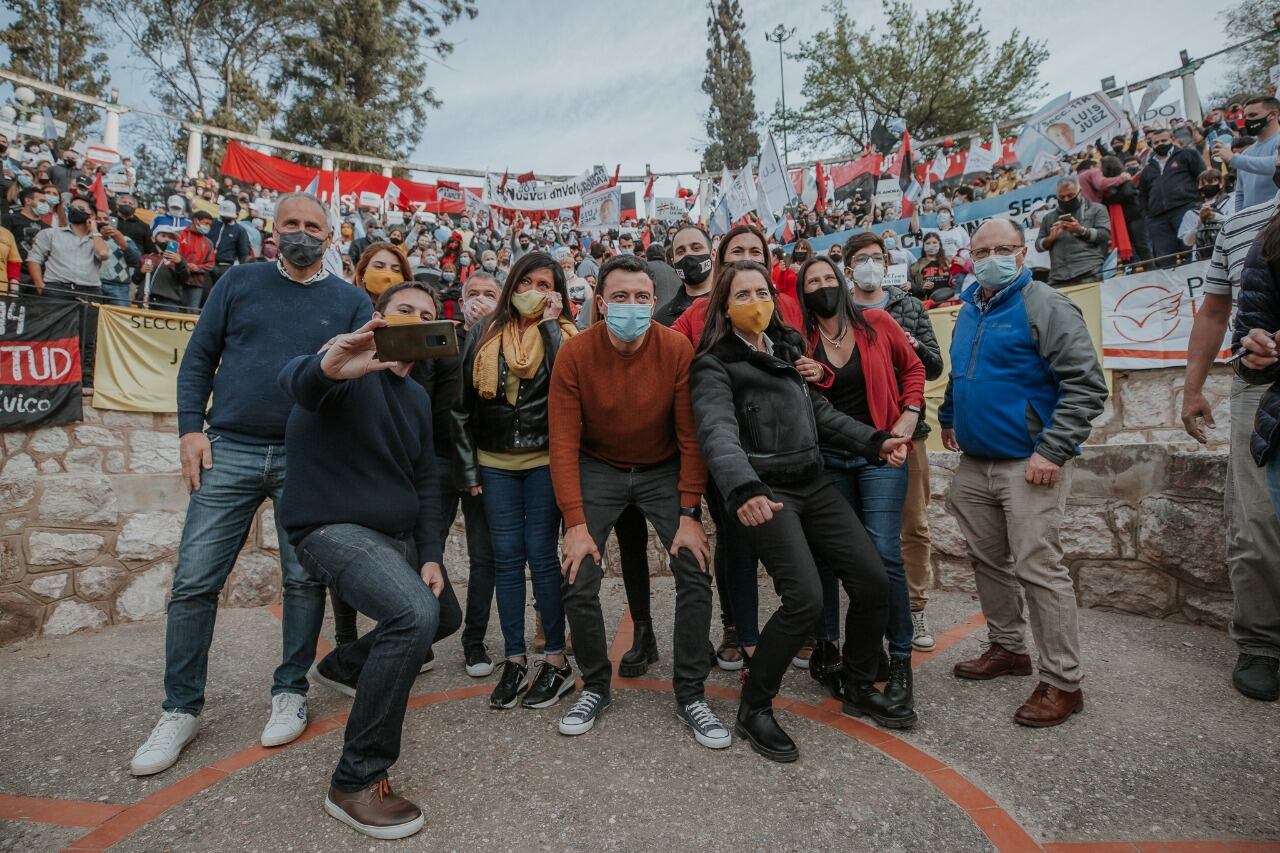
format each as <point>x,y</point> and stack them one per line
<point>1256,164</point>
<point>258,317</point>
<point>364,517</point>
<point>1025,385</point>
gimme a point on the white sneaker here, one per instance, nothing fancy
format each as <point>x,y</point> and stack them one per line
<point>921,636</point>
<point>162,747</point>
<point>288,719</point>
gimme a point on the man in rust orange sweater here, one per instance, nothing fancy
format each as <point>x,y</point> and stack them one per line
<point>622,435</point>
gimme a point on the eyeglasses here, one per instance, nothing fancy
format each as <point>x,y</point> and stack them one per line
<point>1002,251</point>
<point>859,260</point>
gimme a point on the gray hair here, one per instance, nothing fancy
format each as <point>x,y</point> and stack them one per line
<point>480,275</point>
<point>1068,181</point>
<point>307,197</point>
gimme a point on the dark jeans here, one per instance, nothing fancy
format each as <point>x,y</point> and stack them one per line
<point>607,492</point>
<point>736,565</point>
<point>218,518</point>
<point>633,554</point>
<point>877,494</point>
<point>524,526</point>
<point>379,574</point>
<point>815,521</point>
<point>1162,231</point>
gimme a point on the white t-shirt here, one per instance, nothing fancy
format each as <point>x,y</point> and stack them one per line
<point>953,239</point>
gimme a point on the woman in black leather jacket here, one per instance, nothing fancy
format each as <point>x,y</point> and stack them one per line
<point>500,451</point>
<point>759,425</point>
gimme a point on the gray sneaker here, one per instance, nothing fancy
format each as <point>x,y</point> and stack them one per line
<point>707,728</point>
<point>921,636</point>
<point>582,716</point>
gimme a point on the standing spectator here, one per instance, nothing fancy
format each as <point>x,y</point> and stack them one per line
<point>118,270</point>
<point>197,251</point>
<point>67,260</point>
<point>1122,205</point>
<point>1094,184</point>
<point>24,224</point>
<point>1018,414</point>
<point>175,214</point>
<point>1167,189</point>
<point>1200,228</point>
<point>665,279</point>
<point>133,227</point>
<point>230,241</point>
<point>11,259</point>
<point>1076,234</point>
<point>1256,164</point>
<point>954,237</point>
<point>64,174</point>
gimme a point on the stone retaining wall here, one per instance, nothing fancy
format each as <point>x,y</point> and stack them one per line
<point>91,514</point>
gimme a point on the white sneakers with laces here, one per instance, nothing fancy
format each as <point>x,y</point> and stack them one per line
<point>921,636</point>
<point>162,747</point>
<point>288,719</point>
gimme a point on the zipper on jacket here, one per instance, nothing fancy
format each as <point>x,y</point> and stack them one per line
<point>753,426</point>
<point>973,353</point>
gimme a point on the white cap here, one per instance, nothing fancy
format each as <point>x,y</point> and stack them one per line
<point>227,208</point>
<point>177,201</point>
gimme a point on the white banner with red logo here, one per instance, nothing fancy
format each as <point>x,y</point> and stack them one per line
<point>1147,317</point>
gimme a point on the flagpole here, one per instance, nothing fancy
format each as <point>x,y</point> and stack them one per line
<point>779,35</point>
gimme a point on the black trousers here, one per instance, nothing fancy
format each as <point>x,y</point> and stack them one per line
<point>815,521</point>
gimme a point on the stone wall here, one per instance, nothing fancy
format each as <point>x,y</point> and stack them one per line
<point>91,514</point>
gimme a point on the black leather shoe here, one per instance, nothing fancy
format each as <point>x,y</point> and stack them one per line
<point>861,699</point>
<point>825,667</point>
<point>898,689</point>
<point>644,651</point>
<point>1256,677</point>
<point>882,667</point>
<point>758,727</point>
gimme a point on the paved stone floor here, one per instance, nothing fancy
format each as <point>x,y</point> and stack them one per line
<point>1166,756</point>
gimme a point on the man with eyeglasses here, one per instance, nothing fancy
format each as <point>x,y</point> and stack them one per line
<point>1077,236</point>
<point>1018,411</point>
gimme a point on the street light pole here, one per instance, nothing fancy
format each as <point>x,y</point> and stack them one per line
<point>781,34</point>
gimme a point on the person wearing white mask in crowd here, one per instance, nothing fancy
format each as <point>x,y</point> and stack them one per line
<point>954,238</point>
<point>893,248</point>
<point>175,214</point>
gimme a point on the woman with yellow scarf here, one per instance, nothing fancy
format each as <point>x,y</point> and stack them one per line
<point>501,451</point>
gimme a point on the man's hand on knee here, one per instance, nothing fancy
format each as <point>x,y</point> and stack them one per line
<point>577,546</point>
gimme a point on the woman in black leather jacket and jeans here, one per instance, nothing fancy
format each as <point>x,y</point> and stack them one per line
<point>759,426</point>
<point>501,451</point>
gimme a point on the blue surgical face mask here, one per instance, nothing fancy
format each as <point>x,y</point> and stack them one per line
<point>996,272</point>
<point>890,243</point>
<point>628,321</point>
<point>24,180</point>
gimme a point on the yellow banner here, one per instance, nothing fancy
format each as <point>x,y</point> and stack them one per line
<point>1087,296</point>
<point>136,366</point>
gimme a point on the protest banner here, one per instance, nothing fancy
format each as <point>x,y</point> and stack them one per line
<point>136,366</point>
<point>981,158</point>
<point>742,194</point>
<point>887,191</point>
<point>896,276</point>
<point>540,195</point>
<point>601,209</point>
<point>1161,115</point>
<point>476,210</point>
<point>1078,123</point>
<point>370,199</point>
<point>773,176</point>
<point>39,363</point>
<point>1147,317</point>
<point>669,209</point>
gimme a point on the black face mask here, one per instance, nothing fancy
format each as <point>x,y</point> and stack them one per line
<point>300,248</point>
<point>396,241</point>
<point>126,210</point>
<point>1069,206</point>
<point>1163,149</point>
<point>1254,126</point>
<point>799,257</point>
<point>694,269</point>
<point>1210,190</point>
<point>78,216</point>
<point>824,301</point>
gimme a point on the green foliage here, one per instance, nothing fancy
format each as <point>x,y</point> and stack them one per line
<point>731,133</point>
<point>941,71</point>
<point>53,41</point>
<point>1250,73</point>
<point>356,76</point>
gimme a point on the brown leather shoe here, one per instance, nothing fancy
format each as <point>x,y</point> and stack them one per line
<point>1049,706</point>
<point>375,811</point>
<point>995,662</point>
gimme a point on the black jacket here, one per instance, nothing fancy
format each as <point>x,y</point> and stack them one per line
<point>1177,186</point>
<point>914,320</point>
<point>440,377</point>
<point>1259,308</point>
<point>496,425</point>
<point>138,231</point>
<point>760,423</point>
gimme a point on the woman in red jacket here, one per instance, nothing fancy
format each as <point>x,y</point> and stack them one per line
<point>862,361</point>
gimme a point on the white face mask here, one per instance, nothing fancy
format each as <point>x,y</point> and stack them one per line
<point>868,277</point>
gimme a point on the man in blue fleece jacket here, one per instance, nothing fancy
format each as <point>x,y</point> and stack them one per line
<point>257,318</point>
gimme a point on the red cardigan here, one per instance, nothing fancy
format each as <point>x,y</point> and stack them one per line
<point>887,363</point>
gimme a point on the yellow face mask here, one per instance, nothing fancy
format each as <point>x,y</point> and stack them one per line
<point>530,303</point>
<point>376,281</point>
<point>751,318</point>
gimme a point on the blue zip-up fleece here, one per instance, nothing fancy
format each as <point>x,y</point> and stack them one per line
<point>1025,377</point>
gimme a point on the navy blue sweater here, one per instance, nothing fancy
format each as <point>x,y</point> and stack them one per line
<point>254,322</point>
<point>359,452</point>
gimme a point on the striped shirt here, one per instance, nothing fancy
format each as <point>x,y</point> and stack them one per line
<point>1234,240</point>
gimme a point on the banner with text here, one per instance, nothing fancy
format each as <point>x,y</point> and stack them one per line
<point>39,363</point>
<point>601,209</point>
<point>539,195</point>
<point>1078,123</point>
<point>136,367</point>
<point>669,209</point>
<point>1147,317</point>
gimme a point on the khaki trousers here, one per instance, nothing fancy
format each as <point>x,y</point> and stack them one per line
<point>917,552</point>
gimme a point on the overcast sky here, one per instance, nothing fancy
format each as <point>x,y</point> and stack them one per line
<point>555,87</point>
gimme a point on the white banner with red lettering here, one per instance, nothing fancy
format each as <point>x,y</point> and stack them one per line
<point>1147,317</point>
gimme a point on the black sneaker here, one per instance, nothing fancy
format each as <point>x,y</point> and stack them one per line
<point>319,674</point>
<point>511,684</point>
<point>1255,676</point>
<point>428,663</point>
<point>548,685</point>
<point>479,664</point>
<point>582,716</point>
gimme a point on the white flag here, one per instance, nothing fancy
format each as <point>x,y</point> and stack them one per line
<point>1154,90</point>
<point>773,177</point>
<point>332,263</point>
<point>1126,103</point>
<point>940,165</point>
<point>391,193</point>
<point>762,208</point>
<point>742,194</point>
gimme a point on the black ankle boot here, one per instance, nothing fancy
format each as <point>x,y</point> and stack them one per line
<point>898,689</point>
<point>862,699</point>
<point>825,667</point>
<point>759,728</point>
<point>882,667</point>
<point>644,651</point>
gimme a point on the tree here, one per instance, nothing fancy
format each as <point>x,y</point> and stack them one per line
<point>941,72</point>
<point>1250,74</point>
<point>53,41</point>
<point>356,78</point>
<point>731,135</point>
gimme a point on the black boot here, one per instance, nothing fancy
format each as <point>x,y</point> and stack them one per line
<point>644,651</point>
<point>862,699</point>
<point>882,667</point>
<point>825,667</point>
<point>766,737</point>
<point>1255,676</point>
<point>898,689</point>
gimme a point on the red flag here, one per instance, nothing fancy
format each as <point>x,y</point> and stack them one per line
<point>449,185</point>
<point>525,178</point>
<point>613,182</point>
<point>648,188</point>
<point>99,194</point>
<point>502,187</point>
<point>820,175</point>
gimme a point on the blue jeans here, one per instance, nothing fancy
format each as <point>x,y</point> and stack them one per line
<point>116,292</point>
<point>378,575</point>
<point>219,514</point>
<point>524,526</point>
<point>876,493</point>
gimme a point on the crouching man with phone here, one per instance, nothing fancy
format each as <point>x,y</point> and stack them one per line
<point>363,516</point>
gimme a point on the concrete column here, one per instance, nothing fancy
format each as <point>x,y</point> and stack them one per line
<point>326,164</point>
<point>1191,98</point>
<point>111,129</point>
<point>195,145</point>
<point>386,171</point>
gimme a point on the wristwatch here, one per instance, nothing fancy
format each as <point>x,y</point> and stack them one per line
<point>694,512</point>
<point>919,410</point>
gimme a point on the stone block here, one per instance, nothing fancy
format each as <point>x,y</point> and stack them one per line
<point>954,575</point>
<point>153,452</point>
<point>268,539</point>
<point>13,441</point>
<point>254,581</point>
<point>149,492</point>
<point>50,466</point>
<point>1086,532</point>
<point>1128,438</point>
<point>945,533</point>
<point>1107,419</point>
<point>1196,474</point>
<point>49,441</point>
<point>149,535</point>
<point>77,500</point>
<point>1186,537</point>
<point>11,524</point>
<point>1176,438</point>
<point>1127,473</point>
<point>83,460</point>
<point>1146,399</point>
<point>98,583</point>
<point>71,616</point>
<point>1124,521</point>
<point>126,420</point>
<point>19,617</point>
<point>17,481</point>
<point>11,566</point>
<point>146,594</point>
<point>52,587</point>
<point>1206,607</point>
<point>1126,586</point>
<point>98,436</point>
<point>1217,385</point>
<point>49,548</point>
<point>116,462</point>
